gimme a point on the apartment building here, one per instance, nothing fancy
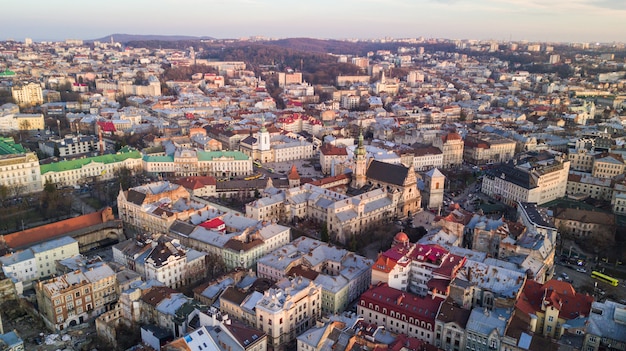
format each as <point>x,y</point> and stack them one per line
<point>400,312</point>
<point>19,168</point>
<point>535,177</point>
<point>488,148</point>
<point>342,275</point>
<point>163,261</point>
<point>288,309</point>
<point>70,145</point>
<point>75,297</point>
<point>332,156</point>
<point>82,170</point>
<point>609,166</point>
<point>553,305</point>
<point>451,146</point>
<point>38,261</point>
<point>156,206</point>
<point>27,94</point>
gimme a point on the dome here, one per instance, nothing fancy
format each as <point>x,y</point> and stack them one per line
<point>401,237</point>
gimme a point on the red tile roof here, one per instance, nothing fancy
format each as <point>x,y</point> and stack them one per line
<point>51,231</point>
<point>559,294</point>
<point>404,303</point>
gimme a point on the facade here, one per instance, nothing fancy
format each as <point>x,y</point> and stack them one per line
<point>342,275</point>
<point>154,207</point>
<point>187,162</point>
<point>69,146</point>
<point>344,216</point>
<point>536,178</point>
<point>579,183</point>
<point>331,156</point>
<point>488,148</point>
<point>74,297</point>
<point>485,329</point>
<point>12,122</point>
<point>606,327</point>
<point>19,169</point>
<point>426,158</point>
<point>280,148</point>
<point>450,327</point>
<point>400,312</point>
<point>239,241</point>
<point>451,146</point>
<point>434,183</point>
<point>27,94</point>
<point>38,261</point>
<point>608,167</point>
<point>289,309</point>
<point>399,181</point>
<point>555,305</point>
<point>583,224</point>
<point>103,167</point>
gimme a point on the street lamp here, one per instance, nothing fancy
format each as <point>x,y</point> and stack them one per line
<point>59,126</point>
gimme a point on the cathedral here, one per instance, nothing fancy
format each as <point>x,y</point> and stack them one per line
<point>396,179</point>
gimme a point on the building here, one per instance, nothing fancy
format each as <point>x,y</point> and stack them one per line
<point>450,327</point>
<point>285,79</point>
<point>188,162</point>
<point>238,240</point>
<point>11,341</point>
<point>75,297</point>
<point>609,166</point>
<point>399,181</point>
<point>156,206</point>
<point>83,170</point>
<point>585,224</point>
<point>11,121</point>
<point>485,329</point>
<point>535,177</point>
<point>27,94</point>
<point>70,145</point>
<point>19,168</point>
<point>342,275</point>
<point>345,216</point>
<point>434,183</point>
<point>331,157</point>
<point>400,312</point>
<point>606,326</point>
<point>488,148</point>
<point>554,305</point>
<point>583,184</point>
<point>289,309</point>
<point>426,158</point>
<point>451,146</point>
<point>279,148</point>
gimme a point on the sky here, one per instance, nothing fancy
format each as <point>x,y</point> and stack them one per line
<point>533,20</point>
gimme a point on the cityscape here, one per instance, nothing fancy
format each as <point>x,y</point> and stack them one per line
<point>414,193</point>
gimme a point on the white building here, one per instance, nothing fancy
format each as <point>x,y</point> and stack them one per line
<point>534,179</point>
<point>342,275</point>
<point>19,168</point>
<point>289,309</point>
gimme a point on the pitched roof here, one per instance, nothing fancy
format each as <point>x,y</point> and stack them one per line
<point>387,172</point>
<point>50,231</point>
<point>559,294</point>
<point>80,162</point>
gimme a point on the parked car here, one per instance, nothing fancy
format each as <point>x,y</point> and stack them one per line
<point>565,276</point>
<point>581,270</point>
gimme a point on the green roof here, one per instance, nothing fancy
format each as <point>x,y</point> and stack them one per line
<point>79,163</point>
<point>9,147</point>
<point>148,158</point>
<point>210,155</point>
<point>7,73</point>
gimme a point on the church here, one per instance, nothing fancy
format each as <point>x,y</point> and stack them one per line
<point>396,179</point>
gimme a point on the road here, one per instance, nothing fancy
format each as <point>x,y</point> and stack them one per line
<point>583,282</point>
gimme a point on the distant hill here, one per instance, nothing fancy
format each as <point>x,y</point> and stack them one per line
<point>124,38</point>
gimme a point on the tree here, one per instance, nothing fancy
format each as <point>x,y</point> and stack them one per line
<point>4,192</point>
<point>324,235</point>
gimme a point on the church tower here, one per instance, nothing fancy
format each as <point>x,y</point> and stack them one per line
<point>360,165</point>
<point>293,177</point>
<point>264,138</point>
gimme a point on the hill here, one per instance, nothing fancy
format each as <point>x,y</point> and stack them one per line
<point>124,38</point>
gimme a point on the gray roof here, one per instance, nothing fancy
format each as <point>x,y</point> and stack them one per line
<point>483,322</point>
<point>608,320</point>
<point>387,172</point>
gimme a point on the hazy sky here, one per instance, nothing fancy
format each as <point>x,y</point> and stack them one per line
<point>540,20</point>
